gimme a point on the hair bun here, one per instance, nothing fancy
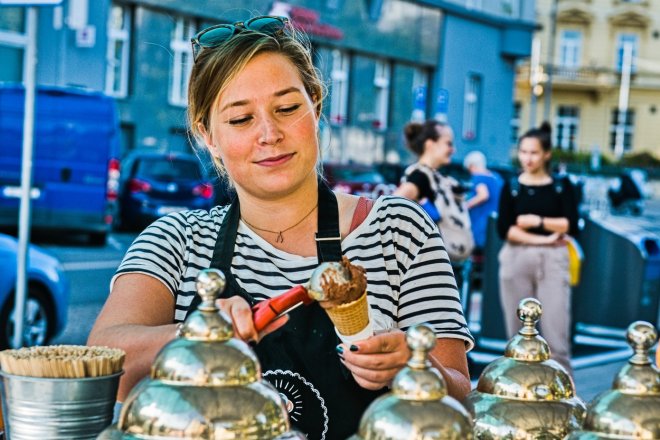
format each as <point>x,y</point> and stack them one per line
<point>412,130</point>
<point>545,127</point>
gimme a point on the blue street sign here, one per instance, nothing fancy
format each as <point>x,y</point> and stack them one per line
<point>442,101</point>
<point>419,98</point>
<point>419,104</point>
<point>441,105</point>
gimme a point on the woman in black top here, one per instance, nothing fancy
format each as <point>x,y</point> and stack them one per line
<point>536,212</point>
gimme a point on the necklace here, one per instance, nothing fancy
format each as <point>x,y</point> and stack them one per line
<point>280,237</point>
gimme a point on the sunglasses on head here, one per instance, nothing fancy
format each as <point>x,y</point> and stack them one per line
<point>214,36</point>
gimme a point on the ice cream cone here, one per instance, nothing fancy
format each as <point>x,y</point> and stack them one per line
<point>352,319</point>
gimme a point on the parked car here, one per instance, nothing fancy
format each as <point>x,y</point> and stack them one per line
<point>355,178</point>
<point>156,184</point>
<point>47,295</point>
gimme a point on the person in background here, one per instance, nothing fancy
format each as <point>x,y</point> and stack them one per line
<point>484,197</point>
<point>254,101</point>
<point>535,212</point>
<point>442,197</point>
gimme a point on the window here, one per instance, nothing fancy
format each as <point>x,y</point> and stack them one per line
<point>382,84</point>
<point>420,94</point>
<point>12,43</point>
<point>471,106</point>
<point>339,92</point>
<point>511,7</point>
<point>627,127</point>
<point>334,5</point>
<point>622,40</point>
<point>127,135</point>
<point>473,4</point>
<point>12,19</point>
<point>570,48</point>
<point>182,60</point>
<point>515,122</point>
<point>568,121</point>
<point>117,55</point>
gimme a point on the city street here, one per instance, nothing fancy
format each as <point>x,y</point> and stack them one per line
<point>90,269</point>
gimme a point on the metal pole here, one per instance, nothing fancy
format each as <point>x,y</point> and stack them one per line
<point>551,60</point>
<point>534,76</point>
<point>26,177</point>
<point>624,92</point>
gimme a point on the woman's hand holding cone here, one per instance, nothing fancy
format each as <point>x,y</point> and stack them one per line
<point>375,361</point>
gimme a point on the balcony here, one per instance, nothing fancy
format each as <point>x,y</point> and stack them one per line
<point>591,79</point>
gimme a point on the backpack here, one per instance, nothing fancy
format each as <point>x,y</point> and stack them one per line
<point>454,222</point>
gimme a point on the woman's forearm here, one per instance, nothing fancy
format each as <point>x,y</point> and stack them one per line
<point>518,235</point>
<point>141,344</point>
<point>449,357</point>
<point>556,224</point>
<point>458,386</point>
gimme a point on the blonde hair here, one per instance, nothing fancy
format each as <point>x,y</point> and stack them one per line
<point>216,67</point>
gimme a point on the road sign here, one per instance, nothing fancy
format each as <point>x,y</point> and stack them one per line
<point>419,103</point>
<point>441,105</point>
<point>30,2</point>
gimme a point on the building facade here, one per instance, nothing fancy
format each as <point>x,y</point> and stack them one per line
<point>593,105</point>
<point>385,62</point>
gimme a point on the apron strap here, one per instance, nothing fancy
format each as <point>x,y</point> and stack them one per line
<point>328,239</point>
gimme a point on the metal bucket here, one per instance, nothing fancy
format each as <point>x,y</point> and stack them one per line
<point>38,408</point>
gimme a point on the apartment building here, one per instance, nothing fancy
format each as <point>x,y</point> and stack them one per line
<point>579,55</point>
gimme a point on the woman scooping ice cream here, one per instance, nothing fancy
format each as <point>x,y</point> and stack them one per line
<point>255,101</point>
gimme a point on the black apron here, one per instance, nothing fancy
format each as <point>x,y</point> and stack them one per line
<point>300,359</point>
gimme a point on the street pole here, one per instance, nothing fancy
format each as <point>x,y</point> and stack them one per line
<point>551,60</point>
<point>624,92</point>
<point>26,178</point>
<point>534,76</point>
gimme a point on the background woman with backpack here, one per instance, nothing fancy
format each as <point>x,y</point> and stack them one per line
<point>536,211</point>
<point>442,197</point>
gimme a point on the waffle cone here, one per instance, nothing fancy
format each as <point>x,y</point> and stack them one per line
<point>352,317</point>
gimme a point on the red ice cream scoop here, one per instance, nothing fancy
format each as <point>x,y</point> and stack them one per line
<point>269,310</point>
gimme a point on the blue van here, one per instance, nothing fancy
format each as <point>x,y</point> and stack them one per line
<point>75,174</point>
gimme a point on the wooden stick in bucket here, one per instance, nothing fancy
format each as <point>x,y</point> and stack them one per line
<point>62,361</point>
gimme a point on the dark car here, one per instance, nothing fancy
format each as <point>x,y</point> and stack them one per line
<point>47,295</point>
<point>156,184</point>
<point>358,179</point>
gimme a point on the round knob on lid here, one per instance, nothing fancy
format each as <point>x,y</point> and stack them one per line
<point>208,323</point>
<point>210,284</point>
<point>528,345</point>
<point>420,340</point>
<point>641,337</point>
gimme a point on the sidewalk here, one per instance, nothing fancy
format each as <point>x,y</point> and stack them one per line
<point>591,381</point>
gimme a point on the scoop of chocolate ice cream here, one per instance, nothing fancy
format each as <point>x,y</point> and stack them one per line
<point>345,290</point>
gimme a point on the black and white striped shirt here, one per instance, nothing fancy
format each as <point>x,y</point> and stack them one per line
<point>409,276</point>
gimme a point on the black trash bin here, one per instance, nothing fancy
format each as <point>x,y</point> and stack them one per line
<point>620,280</point>
<point>651,285</point>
